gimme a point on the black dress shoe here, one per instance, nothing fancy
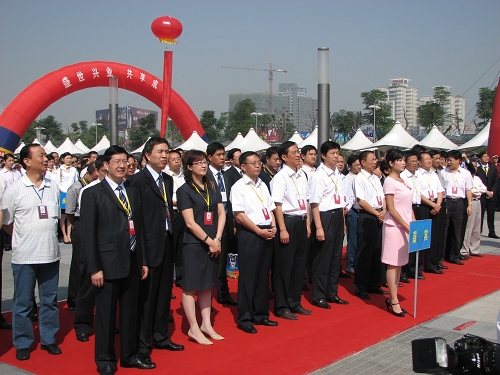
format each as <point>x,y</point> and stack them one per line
<point>140,363</point>
<point>439,272</point>
<point>288,315</point>
<point>456,261</point>
<point>170,346</point>
<point>476,255</point>
<point>107,370</point>
<point>247,329</point>
<point>302,311</point>
<point>267,322</point>
<point>322,304</point>
<point>379,291</point>
<point>227,301</point>
<point>82,336</point>
<point>442,266</point>
<point>172,296</point>
<point>493,235</point>
<point>170,319</point>
<point>464,257</point>
<point>404,279</point>
<point>362,294</point>
<point>51,349</point>
<point>344,275</point>
<point>5,325</point>
<point>22,354</point>
<point>337,300</point>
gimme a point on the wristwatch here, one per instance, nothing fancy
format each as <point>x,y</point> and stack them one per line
<point>218,238</point>
<point>205,238</point>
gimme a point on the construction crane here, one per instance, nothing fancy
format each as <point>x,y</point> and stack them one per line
<point>271,71</point>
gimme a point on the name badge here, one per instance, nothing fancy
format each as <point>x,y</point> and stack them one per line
<point>266,214</point>
<point>454,190</point>
<point>302,205</point>
<point>431,194</point>
<point>379,200</point>
<point>43,213</point>
<point>131,227</point>
<point>224,196</point>
<point>337,198</point>
<point>208,218</point>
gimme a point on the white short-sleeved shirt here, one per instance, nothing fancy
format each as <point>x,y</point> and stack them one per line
<point>308,171</point>
<point>178,182</point>
<point>288,187</point>
<point>412,181</point>
<point>10,176</point>
<point>456,183</point>
<point>251,198</point>
<point>429,184</point>
<point>329,189</point>
<point>34,240</point>
<point>65,177</point>
<point>368,188</point>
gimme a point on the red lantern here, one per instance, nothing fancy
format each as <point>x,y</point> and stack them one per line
<point>166,29</point>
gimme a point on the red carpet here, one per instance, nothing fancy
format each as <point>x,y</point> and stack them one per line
<point>294,347</point>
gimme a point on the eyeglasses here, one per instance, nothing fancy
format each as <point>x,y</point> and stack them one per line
<point>201,163</point>
<point>119,162</point>
<point>255,163</point>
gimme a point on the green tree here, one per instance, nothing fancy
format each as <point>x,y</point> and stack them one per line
<point>147,128</point>
<point>52,131</point>
<point>172,134</point>
<point>92,134</point>
<point>430,114</point>
<point>344,124</point>
<point>213,127</point>
<point>383,120</point>
<point>240,119</point>
<point>484,107</point>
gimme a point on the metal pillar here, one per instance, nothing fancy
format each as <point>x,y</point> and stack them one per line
<point>113,110</point>
<point>323,95</point>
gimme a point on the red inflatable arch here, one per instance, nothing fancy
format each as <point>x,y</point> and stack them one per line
<point>24,109</point>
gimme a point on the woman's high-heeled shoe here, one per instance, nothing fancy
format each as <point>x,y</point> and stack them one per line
<point>213,336</point>
<point>205,341</point>
<point>389,305</point>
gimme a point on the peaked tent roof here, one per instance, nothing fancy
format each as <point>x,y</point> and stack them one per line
<point>103,144</point>
<point>49,147</point>
<point>81,146</point>
<point>36,141</point>
<point>195,142</point>
<point>397,137</point>
<point>312,139</point>
<point>480,140</point>
<point>68,146</point>
<point>139,150</point>
<point>235,141</point>
<point>436,139</point>
<point>358,142</point>
<point>252,142</point>
<point>19,148</point>
<point>296,137</point>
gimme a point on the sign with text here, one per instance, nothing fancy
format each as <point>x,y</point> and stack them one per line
<point>420,235</point>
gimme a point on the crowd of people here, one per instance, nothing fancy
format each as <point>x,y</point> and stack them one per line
<point>138,227</point>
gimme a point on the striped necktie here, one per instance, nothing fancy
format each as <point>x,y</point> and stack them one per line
<point>161,186</point>
<point>220,182</point>
<point>121,196</point>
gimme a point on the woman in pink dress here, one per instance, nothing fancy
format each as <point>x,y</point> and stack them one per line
<point>396,227</point>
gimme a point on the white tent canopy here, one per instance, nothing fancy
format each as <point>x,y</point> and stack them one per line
<point>102,145</point>
<point>36,141</point>
<point>235,141</point>
<point>296,137</point>
<point>252,142</point>
<point>49,147</point>
<point>195,142</point>
<point>19,148</point>
<point>68,146</point>
<point>436,139</point>
<point>312,139</point>
<point>82,146</point>
<point>480,140</point>
<point>139,150</point>
<point>358,142</point>
<point>397,137</point>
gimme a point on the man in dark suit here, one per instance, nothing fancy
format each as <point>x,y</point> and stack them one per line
<point>489,176</point>
<point>235,170</point>
<point>270,166</point>
<point>216,158</point>
<point>156,190</point>
<point>115,252</point>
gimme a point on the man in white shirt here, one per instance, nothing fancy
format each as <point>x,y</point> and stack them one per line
<point>352,217</point>
<point>290,194</point>
<point>3,323</point>
<point>8,172</point>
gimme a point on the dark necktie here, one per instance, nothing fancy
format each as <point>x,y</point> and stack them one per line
<point>220,182</point>
<point>161,186</point>
<point>121,196</point>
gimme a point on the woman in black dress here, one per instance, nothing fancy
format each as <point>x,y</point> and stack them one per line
<point>202,209</point>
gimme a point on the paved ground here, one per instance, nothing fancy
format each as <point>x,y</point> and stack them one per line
<point>373,360</point>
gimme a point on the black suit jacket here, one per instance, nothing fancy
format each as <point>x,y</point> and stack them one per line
<point>489,180</point>
<point>228,183</point>
<point>153,211</point>
<point>233,173</point>
<point>105,234</point>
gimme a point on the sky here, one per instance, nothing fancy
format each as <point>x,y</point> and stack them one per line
<point>446,42</point>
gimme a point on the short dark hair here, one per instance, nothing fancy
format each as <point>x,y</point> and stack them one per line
<point>408,154</point>
<point>151,143</point>
<point>91,168</point>
<point>443,154</point>
<point>454,154</point>
<point>50,157</point>
<point>481,154</point>
<point>433,153</point>
<point>213,147</point>
<point>351,159</point>
<point>65,154</point>
<point>394,154</point>
<point>26,153</point>
<point>244,156</point>
<point>327,146</point>
<point>421,155</point>
<point>271,151</point>
<point>175,152</point>
<point>418,149</point>
<point>284,148</point>
<point>6,156</point>
<point>230,153</point>
<point>99,162</point>
<point>92,153</point>
<point>113,150</point>
<point>364,154</point>
<point>384,166</point>
<point>470,167</point>
<point>304,150</point>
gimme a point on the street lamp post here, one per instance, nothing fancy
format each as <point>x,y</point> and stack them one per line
<point>374,107</point>
<point>39,133</point>
<point>256,114</point>
<point>96,125</point>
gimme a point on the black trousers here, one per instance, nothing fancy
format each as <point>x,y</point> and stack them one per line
<point>439,223</point>
<point>290,266</point>
<point>421,212</point>
<point>154,301</point>
<point>368,275</point>
<point>125,291</point>
<point>326,265</point>
<point>1,277</point>
<point>488,206</point>
<point>179,227</point>
<point>74,270</point>
<point>254,263</point>
<point>311,253</point>
<point>455,217</point>
<point>432,254</point>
